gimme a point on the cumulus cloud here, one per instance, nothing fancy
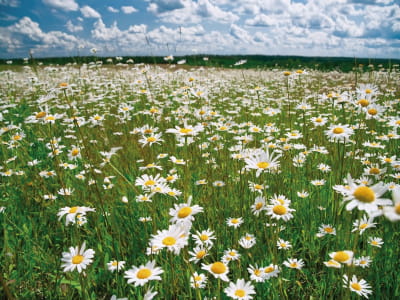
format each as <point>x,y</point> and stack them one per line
<point>240,34</point>
<point>73,28</point>
<point>89,12</point>
<point>67,5</point>
<point>10,3</point>
<point>128,9</point>
<point>112,9</point>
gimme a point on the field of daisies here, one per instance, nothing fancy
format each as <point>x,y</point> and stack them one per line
<point>148,182</point>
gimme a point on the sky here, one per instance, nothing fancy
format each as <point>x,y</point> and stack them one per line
<point>49,28</point>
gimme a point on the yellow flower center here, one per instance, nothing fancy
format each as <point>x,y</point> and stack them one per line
<point>374,171</point>
<point>149,182</point>
<point>223,128</point>
<point>328,229</point>
<point>125,108</point>
<point>263,165</point>
<point>269,269</point>
<point>77,259</point>
<point>75,152</point>
<point>234,221</point>
<point>279,210</point>
<point>356,286</point>
<point>363,102</point>
<point>169,241</point>
<point>185,130</point>
<point>143,273</point>
<point>287,73</point>
<point>240,293</point>
<point>151,139</point>
<point>202,112</point>
<point>17,137</point>
<point>294,265</point>
<point>201,254</point>
<point>63,84</point>
<point>257,272</point>
<point>248,238</point>
<point>114,263</point>
<point>148,131</point>
<point>259,205</point>
<point>368,91</point>
<point>341,256</point>
<point>299,71</point>
<point>204,237</point>
<point>258,187</point>
<point>218,268</point>
<point>364,194</point>
<point>197,278</point>
<point>73,210</point>
<point>318,120</point>
<point>97,118</point>
<point>232,253</point>
<point>338,130</point>
<point>184,212</point>
<point>50,118</point>
<point>363,226</point>
<point>372,111</point>
<point>40,115</point>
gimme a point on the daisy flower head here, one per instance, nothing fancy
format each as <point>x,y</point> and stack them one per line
<point>204,237</point>
<point>344,257</point>
<point>173,239</point>
<point>230,255</point>
<point>263,162</point>
<point>143,274</point>
<point>326,229</point>
<point>280,211</point>
<point>294,263</point>
<point>234,222</point>
<point>72,212</point>
<point>184,213</point>
<point>115,265</point>
<point>362,224</point>
<point>256,273</point>
<point>198,253</point>
<point>364,197</point>
<point>363,261</point>
<point>271,271</point>
<point>74,153</point>
<point>375,241</point>
<point>240,290</point>
<point>198,280</point>
<point>258,206</point>
<point>77,258</point>
<point>247,241</point>
<point>332,264</point>
<point>187,130</point>
<point>218,270</point>
<point>319,121</point>
<point>282,244</point>
<point>339,132</point>
<point>361,287</point>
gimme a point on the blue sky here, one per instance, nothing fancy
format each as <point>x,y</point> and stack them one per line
<point>363,28</point>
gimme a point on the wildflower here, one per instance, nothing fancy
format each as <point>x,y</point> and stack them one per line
<point>247,241</point>
<point>234,222</point>
<point>271,271</point>
<point>294,263</point>
<point>77,258</point>
<point>280,211</point>
<point>72,212</point>
<point>282,244</point>
<point>303,194</point>
<point>256,273</point>
<point>361,287</point>
<point>318,182</point>
<point>74,153</point>
<point>362,261</point>
<point>174,239</point>
<point>230,255</point>
<point>204,237</point>
<point>332,264</point>
<point>339,132</point>
<point>393,212</point>
<point>143,274</point>
<point>184,213</point>
<point>218,183</point>
<point>262,162</point>
<point>187,130</point>
<point>326,229</point>
<point>362,224</point>
<point>198,253</point>
<point>115,265</point>
<point>319,121</point>
<point>258,206</point>
<point>344,257</point>
<point>217,269</point>
<point>240,290</point>
<point>149,295</point>
<point>198,281</point>
<point>375,241</point>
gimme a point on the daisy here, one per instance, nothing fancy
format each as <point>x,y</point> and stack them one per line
<point>364,197</point>
<point>198,281</point>
<point>393,212</point>
<point>115,265</point>
<point>143,274</point>
<point>332,264</point>
<point>72,212</point>
<point>247,241</point>
<point>326,229</point>
<point>258,206</point>
<point>339,132</point>
<point>217,269</point>
<point>240,290</point>
<point>184,213</point>
<point>270,271</point>
<point>256,273</point>
<point>234,222</point>
<point>198,253</point>
<point>230,255</point>
<point>74,153</point>
<point>344,257</point>
<point>362,224</point>
<point>294,263</point>
<point>319,121</point>
<point>187,130</point>
<point>77,258</point>
<point>282,244</point>
<point>174,239</point>
<point>279,211</point>
<point>149,182</point>
<point>303,194</point>
<point>262,162</point>
<point>361,287</point>
<point>375,241</point>
<point>204,237</point>
<point>363,261</point>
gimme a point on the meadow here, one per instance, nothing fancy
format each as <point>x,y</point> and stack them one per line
<point>146,182</point>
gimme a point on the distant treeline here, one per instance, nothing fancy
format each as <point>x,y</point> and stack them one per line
<point>344,64</point>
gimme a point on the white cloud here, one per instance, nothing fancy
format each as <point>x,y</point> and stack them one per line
<point>73,28</point>
<point>89,12</point>
<point>128,9</point>
<point>240,34</point>
<point>67,5</point>
<point>112,9</point>
<point>10,3</point>
<point>142,28</point>
<point>104,33</point>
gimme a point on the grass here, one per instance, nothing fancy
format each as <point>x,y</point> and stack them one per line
<point>238,112</point>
